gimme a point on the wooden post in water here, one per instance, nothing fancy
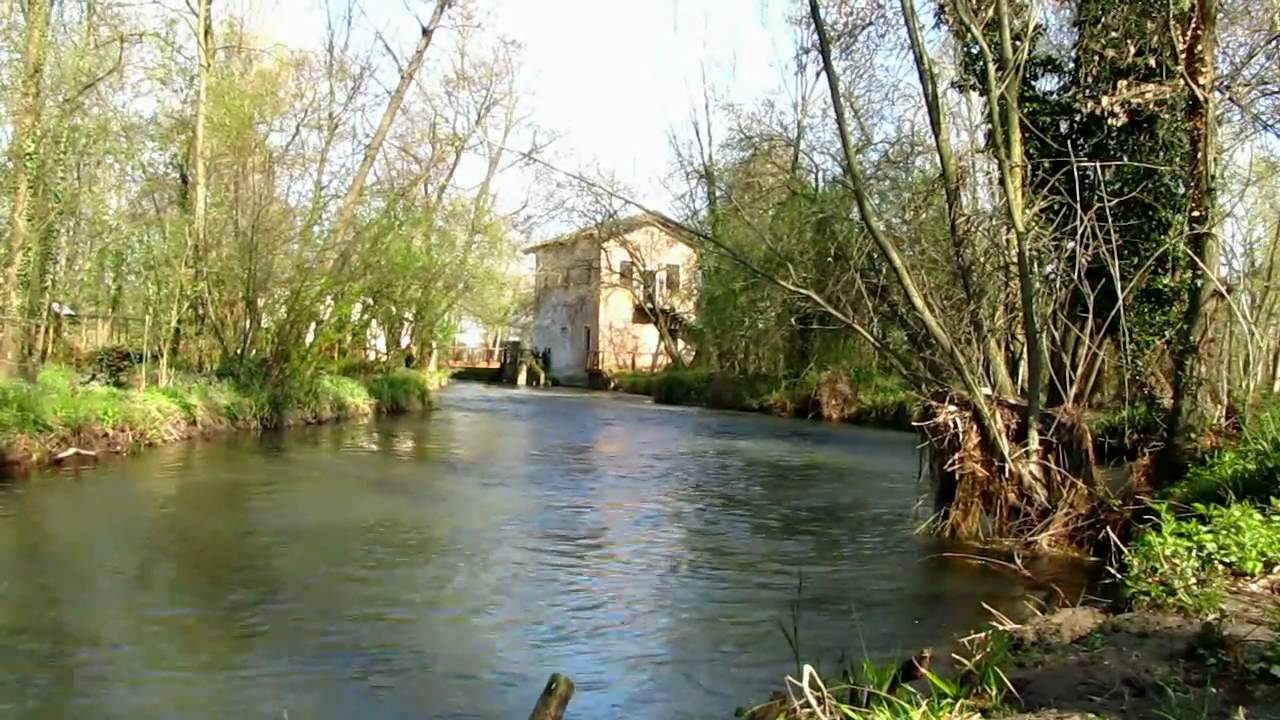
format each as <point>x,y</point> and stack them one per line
<point>554,699</point>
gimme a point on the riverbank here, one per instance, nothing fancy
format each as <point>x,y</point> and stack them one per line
<point>871,402</point>
<point>1191,632</point>
<point>1085,662</point>
<point>60,411</point>
<point>1074,663</point>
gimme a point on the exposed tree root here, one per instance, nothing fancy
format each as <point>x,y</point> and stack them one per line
<point>1050,503</point>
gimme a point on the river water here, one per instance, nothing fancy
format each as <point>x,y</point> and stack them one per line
<point>442,566</point>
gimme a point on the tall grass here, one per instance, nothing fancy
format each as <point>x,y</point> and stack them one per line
<point>401,391</point>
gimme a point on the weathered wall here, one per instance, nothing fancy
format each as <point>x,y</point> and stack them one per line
<point>566,312</point>
<point>625,344</point>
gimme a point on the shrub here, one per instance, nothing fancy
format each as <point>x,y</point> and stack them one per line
<point>401,391</point>
<point>112,365</point>
<point>1183,562</point>
<point>681,387</point>
<point>635,383</point>
<point>885,402</point>
<point>1123,433</point>
<point>1250,471</point>
<point>340,397</point>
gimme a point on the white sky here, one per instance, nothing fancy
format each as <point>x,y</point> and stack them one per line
<point>611,78</point>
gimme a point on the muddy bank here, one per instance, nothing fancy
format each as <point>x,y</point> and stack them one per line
<point>1082,661</point>
<point>1091,662</point>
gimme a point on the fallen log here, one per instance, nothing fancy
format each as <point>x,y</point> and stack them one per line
<point>72,452</point>
<point>554,699</point>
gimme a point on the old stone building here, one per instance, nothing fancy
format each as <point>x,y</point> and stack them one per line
<point>613,297</point>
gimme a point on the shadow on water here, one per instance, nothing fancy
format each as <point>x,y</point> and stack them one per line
<point>443,565</point>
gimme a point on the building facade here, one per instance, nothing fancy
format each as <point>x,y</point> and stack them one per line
<point>616,297</point>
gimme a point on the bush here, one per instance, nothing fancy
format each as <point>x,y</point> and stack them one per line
<point>885,402</point>
<point>1248,472</point>
<point>332,397</point>
<point>635,383</point>
<point>1183,562</point>
<point>681,387</point>
<point>401,391</point>
<point>112,365</point>
<point>1123,434</point>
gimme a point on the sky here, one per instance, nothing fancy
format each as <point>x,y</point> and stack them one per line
<point>610,78</point>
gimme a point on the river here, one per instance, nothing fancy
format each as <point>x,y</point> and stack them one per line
<point>442,566</point>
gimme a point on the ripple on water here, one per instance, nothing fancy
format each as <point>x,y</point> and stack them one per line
<point>444,565</point>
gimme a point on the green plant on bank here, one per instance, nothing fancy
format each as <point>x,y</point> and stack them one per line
<point>1178,705</point>
<point>401,391</point>
<point>1249,471</point>
<point>59,410</point>
<point>1122,433</point>
<point>1183,561</point>
<point>880,401</point>
<point>1093,642</point>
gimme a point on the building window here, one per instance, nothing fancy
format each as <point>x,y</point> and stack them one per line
<point>626,274</point>
<point>673,279</point>
<point>650,280</point>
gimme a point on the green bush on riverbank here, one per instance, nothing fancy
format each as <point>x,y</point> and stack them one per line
<point>1183,561</point>
<point>401,391</point>
<point>874,400</point>
<point>58,410</point>
<point>1249,471</point>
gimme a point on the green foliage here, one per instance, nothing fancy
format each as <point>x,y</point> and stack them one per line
<point>332,397</point>
<point>111,365</point>
<point>401,391</point>
<point>57,411</point>
<point>1178,705</point>
<point>1250,471</point>
<point>881,401</point>
<point>635,383</point>
<point>884,401</point>
<point>681,387</point>
<point>1122,433</point>
<point>1183,562</point>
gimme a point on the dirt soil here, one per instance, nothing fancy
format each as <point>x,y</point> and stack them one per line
<point>1084,663</point>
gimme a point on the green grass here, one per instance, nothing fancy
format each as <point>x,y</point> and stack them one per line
<point>401,391</point>
<point>59,410</point>
<point>1250,471</point>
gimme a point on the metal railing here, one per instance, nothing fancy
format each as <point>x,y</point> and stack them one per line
<point>484,357</point>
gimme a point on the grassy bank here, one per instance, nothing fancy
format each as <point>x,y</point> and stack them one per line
<point>61,410</point>
<point>873,400</point>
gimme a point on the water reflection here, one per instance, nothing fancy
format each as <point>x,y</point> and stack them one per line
<point>442,566</point>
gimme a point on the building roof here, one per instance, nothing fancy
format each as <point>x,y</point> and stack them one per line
<point>611,228</point>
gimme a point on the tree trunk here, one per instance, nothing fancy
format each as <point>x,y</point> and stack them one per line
<point>1202,232</point>
<point>26,131</point>
<point>988,419</point>
<point>195,231</point>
